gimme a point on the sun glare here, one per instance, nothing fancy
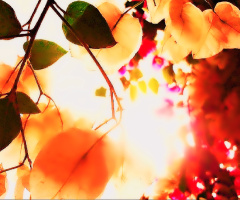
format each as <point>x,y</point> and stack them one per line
<point>154,128</point>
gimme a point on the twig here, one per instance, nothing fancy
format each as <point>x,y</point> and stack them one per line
<point>32,16</point>
<point>63,11</point>
<point>15,167</point>
<point>136,5</point>
<point>103,123</point>
<point>91,54</point>
<point>14,88</point>
<point>42,93</point>
<point>14,36</point>
<point>33,36</point>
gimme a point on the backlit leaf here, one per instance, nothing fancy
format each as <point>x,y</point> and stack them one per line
<point>62,170</point>
<point>143,86</point>
<point>133,92</point>
<point>127,34</point>
<point>172,50</point>
<point>89,24</point>
<point>23,174</point>
<point>223,30</point>
<point>159,9</point>
<point>2,183</point>
<point>186,24</point>
<point>10,121</point>
<point>44,53</point>
<point>125,82</point>
<point>168,74</point>
<point>26,104</point>
<point>153,85</point>
<point>135,74</point>
<point>101,92</point>
<point>8,21</point>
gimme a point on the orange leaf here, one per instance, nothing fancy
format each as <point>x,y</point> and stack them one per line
<point>223,30</point>
<point>186,23</point>
<point>63,170</point>
<point>171,50</point>
<point>127,34</point>
<point>158,9</point>
<point>2,183</point>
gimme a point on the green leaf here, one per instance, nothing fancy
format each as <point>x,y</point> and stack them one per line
<point>143,86</point>
<point>133,92</point>
<point>135,74</point>
<point>168,74</point>
<point>26,104</point>
<point>44,53</point>
<point>89,25</point>
<point>8,21</point>
<point>101,92</point>
<point>10,121</point>
<point>153,85</point>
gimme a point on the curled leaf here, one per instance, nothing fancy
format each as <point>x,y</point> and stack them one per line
<point>26,104</point>
<point>126,31</point>
<point>89,24</point>
<point>44,53</point>
<point>10,121</point>
<point>59,173</point>
<point>8,21</point>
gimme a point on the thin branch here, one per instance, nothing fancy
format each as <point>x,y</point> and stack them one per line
<point>106,121</point>
<point>154,3</point>
<point>112,103</point>
<point>33,36</point>
<point>33,14</point>
<point>14,36</point>
<point>26,148</point>
<point>136,5</point>
<point>15,167</point>
<point>43,93</point>
<point>63,11</point>
<point>92,56</point>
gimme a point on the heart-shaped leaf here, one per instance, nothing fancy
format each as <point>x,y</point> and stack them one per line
<point>89,25</point>
<point>26,104</point>
<point>58,173</point>
<point>44,53</point>
<point>223,30</point>
<point>10,121</point>
<point>127,33</point>
<point>8,21</point>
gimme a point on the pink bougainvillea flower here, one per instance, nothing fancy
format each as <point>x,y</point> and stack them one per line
<point>126,31</point>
